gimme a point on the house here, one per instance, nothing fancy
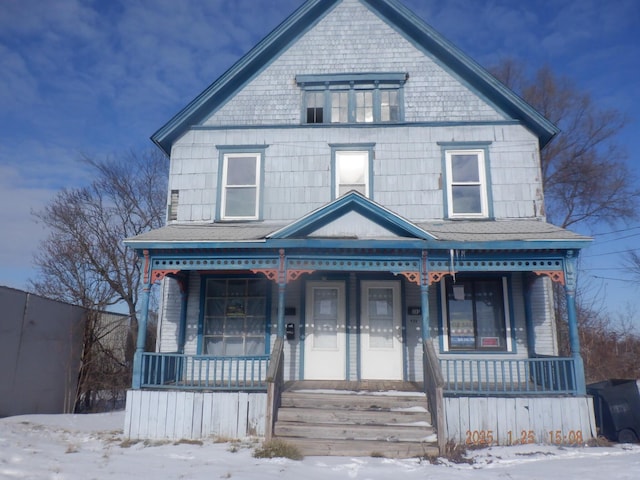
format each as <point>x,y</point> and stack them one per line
<point>356,205</point>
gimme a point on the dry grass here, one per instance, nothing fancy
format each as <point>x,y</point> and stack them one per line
<point>278,449</point>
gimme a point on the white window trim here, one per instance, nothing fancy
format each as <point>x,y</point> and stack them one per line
<point>224,187</point>
<point>482,172</point>
<point>367,183</point>
<point>507,320</point>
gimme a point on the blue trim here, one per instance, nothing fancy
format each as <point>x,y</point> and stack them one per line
<point>347,78</point>
<point>398,244</point>
<point>441,320</point>
<point>351,201</point>
<point>385,125</point>
<point>302,327</point>
<point>347,322</point>
<point>203,294</point>
<point>527,286</point>
<point>512,317</point>
<point>404,328</point>
<point>352,147</point>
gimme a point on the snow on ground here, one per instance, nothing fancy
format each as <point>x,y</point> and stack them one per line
<point>69,447</point>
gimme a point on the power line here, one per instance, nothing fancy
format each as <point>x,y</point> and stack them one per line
<point>616,231</point>
<point>609,253</point>
<point>600,242</point>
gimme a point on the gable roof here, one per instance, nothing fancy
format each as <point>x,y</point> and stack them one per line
<point>352,201</point>
<point>393,13</point>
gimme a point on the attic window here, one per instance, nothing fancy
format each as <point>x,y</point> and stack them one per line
<point>352,98</point>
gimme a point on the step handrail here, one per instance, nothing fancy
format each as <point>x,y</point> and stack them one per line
<point>434,388</point>
<point>275,383</point>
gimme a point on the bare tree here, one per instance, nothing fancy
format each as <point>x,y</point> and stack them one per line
<point>83,260</point>
<point>585,176</point>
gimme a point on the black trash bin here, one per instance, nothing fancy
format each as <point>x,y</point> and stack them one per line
<point>617,409</point>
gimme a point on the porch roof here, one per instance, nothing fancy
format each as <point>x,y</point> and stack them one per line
<point>489,234</point>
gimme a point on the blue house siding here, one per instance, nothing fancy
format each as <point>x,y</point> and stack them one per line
<point>407,168</point>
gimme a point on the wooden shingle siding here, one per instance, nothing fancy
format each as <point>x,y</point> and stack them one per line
<point>348,39</point>
<point>407,169</point>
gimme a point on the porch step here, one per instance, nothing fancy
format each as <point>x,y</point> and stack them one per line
<point>356,423</point>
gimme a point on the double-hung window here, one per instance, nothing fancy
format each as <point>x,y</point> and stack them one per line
<point>466,184</point>
<point>352,98</point>
<point>476,314</point>
<point>235,313</point>
<point>352,169</point>
<point>240,183</point>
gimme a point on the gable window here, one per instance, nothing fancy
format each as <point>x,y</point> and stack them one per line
<point>466,184</point>
<point>352,98</point>
<point>239,183</point>
<point>315,107</point>
<point>476,314</point>
<point>352,169</point>
<point>235,316</point>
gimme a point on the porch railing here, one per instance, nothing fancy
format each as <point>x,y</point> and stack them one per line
<point>528,376</point>
<point>202,372</point>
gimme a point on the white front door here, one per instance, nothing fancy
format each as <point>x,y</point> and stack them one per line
<point>381,331</point>
<point>325,342</point>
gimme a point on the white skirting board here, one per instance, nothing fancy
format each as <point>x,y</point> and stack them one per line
<point>176,415</point>
<point>483,421</point>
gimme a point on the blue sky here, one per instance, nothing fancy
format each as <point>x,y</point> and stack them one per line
<point>98,77</point>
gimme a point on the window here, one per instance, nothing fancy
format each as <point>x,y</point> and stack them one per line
<point>352,98</point>
<point>352,169</point>
<point>315,107</point>
<point>239,184</point>
<point>466,184</point>
<point>476,314</point>
<point>235,313</point>
<point>172,213</point>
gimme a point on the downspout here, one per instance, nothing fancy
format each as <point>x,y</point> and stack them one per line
<point>572,319</point>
